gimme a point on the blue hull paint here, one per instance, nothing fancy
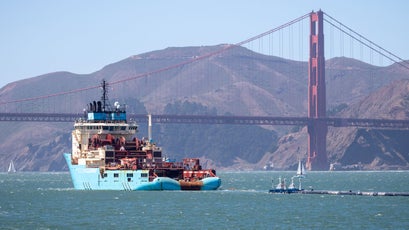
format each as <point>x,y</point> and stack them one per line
<point>211,183</point>
<point>91,179</point>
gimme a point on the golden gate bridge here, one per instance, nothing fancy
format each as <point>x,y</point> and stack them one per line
<point>317,121</point>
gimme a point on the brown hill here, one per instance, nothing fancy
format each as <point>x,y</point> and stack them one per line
<point>238,82</point>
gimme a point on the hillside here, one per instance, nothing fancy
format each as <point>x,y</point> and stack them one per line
<point>375,149</point>
<point>238,82</point>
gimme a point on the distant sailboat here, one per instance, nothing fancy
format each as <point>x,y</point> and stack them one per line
<point>11,169</point>
<point>301,170</point>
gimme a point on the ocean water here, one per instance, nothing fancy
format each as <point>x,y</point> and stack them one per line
<point>48,201</point>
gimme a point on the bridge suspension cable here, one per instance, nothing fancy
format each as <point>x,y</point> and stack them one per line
<point>49,95</point>
<point>366,42</point>
<point>274,30</point>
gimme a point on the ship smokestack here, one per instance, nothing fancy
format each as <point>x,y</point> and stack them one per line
<point>150,127</point>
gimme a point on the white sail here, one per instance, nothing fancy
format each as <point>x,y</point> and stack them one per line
<point>300,169</point>
<point>11,169</point>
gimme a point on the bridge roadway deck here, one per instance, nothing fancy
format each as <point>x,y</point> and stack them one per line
<point>211,119</point>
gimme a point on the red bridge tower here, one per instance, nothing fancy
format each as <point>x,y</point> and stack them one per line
<point>317,130</point>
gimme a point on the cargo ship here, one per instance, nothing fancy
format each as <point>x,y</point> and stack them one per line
<point>107,155</point>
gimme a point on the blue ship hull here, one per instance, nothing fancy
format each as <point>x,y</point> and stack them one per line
<point>84,178</point>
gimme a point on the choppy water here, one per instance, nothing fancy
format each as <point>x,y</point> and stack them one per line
<point>47,201</point>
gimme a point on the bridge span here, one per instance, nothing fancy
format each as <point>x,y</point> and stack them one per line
<point>214,119</point>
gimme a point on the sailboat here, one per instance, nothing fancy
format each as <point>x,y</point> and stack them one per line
<point>301,170</point>
<point>11,169</point>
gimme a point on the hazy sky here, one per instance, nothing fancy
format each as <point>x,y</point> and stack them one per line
<point>82,36</point>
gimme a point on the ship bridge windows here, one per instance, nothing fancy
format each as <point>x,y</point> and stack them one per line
<point>90,127</point>
<point>116,174</point>
<point>108,128</point>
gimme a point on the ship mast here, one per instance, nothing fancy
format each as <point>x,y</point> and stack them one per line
<point>104,98</point>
